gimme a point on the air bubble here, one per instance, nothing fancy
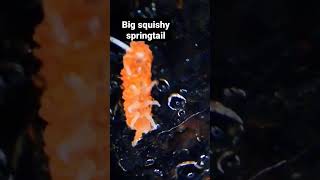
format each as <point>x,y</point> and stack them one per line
<point>204,161</point>
<point>163,85</point>
<point>120,163</point>
<point>187,169</point>
<point>183,91</point>
<point>181,112</point>
<point>190,175</point>
<point>176,101</point>
<point>149,162</point>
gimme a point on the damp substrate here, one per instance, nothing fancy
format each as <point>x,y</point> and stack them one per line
<point>179,147</point>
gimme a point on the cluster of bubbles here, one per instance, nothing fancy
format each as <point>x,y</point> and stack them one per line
<point>176,103</point>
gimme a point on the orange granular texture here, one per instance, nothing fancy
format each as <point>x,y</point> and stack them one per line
<point>136,77</point>
<point>74,103</point>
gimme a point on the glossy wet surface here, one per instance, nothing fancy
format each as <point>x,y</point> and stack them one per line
<point>266,71</point>
<point>179,147</point>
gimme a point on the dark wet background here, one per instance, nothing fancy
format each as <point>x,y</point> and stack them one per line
<point>22,153</point>
<point>179,148</point>
<point>53,66</point>
<point>266,69</point>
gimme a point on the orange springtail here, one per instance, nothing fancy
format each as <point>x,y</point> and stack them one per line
<point>137,85</point>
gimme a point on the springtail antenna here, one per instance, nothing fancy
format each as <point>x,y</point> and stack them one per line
<point>119,43</point>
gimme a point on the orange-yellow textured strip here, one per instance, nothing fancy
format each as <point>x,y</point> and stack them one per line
<point>136,76</point>
<point>73,54</point>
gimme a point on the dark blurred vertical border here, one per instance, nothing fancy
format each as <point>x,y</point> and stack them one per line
<point>108,90</point>
<point>22,153</point>
<point>211,69</point>
<point>266,71</point>
<point>108,168</point>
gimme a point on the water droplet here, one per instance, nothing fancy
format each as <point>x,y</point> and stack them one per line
<point>158,172</point>
<point>163,85</point>
<point>120,163</point>
<point>186,151</point>
<point>204,161</point>
<point>190,175</point>
<point>113,85</point>
<point>183,91</point>
<point>176,101</point>
<point>199,139</point>
<point>149,162</point>
<point>187,169</point>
